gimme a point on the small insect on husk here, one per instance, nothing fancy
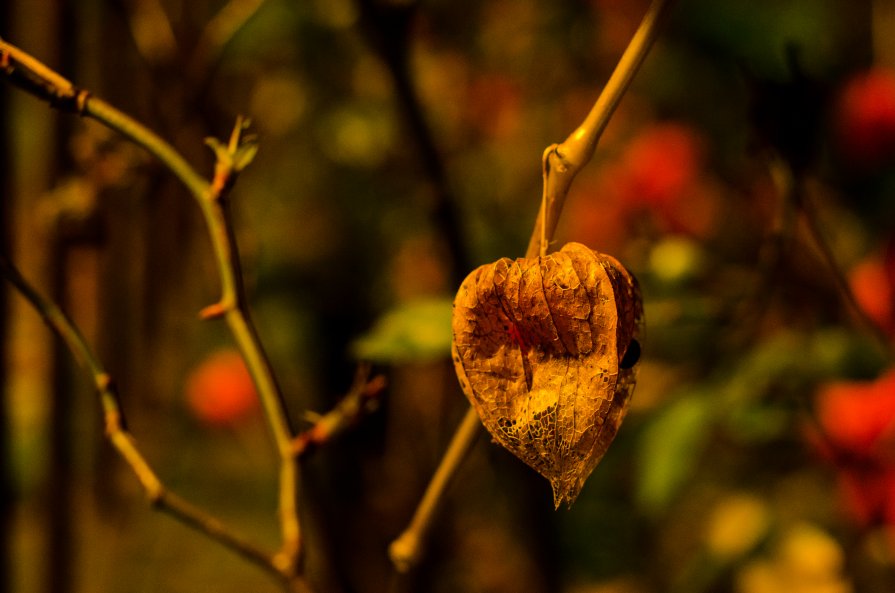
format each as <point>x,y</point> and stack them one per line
<point>546,350</point>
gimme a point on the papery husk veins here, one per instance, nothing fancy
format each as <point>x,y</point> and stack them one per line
<point>539,348</point>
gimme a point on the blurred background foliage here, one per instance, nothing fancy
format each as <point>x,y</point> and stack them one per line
<point>400,147</point>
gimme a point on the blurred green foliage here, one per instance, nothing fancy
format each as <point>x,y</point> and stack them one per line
<point>419,330</point>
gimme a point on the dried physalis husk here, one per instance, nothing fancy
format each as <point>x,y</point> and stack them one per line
<point>545,350</point>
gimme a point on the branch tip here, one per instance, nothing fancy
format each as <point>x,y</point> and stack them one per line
<point>405,551</point>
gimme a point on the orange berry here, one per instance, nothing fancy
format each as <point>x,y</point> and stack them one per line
<point>220,391</point>
<point>865,117</point>
<point>661,164</point>
<point>870,284</point>
<point>858,416</point>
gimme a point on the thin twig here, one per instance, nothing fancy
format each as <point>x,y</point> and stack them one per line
<point>38,79</point>
<point>561,163</point>
<point>361,399</point>
<point>750,307</point>
<point>157,494</point>
<point>407,549</point>
<point>231,158</point>
<point>829,258</point>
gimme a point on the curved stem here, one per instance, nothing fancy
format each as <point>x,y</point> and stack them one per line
<point>826,253</point>
<point>218,32</point>
<point>233,306</point>
<point>561,163</point>
<point>211,198</point>
<point>29,73</point>
<point>156,492</point>
<point>142,136</point>
<point>406,550</point>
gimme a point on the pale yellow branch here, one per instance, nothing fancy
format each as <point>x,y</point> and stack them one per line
<point>40,80</point>
<point>407,549</point>
<point>121,440</point>
<point>562,162</point>
<point>231,158</point>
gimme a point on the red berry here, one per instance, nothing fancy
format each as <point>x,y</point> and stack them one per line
<point>220,391</point>
<point>858,421</point>
<point>865,118</point>
<point>661,164</point>
<point>873,290</point>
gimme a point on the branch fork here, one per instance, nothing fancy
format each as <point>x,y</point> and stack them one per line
<point>560,164</point>
<point>36,78</point>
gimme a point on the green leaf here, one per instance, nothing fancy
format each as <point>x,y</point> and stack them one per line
<point>669,449</point>
<point>245,154</point>
<point>414,331</point>
<point>221,151</point>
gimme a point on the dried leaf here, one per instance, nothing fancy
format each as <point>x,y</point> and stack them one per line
<point>545,349</point>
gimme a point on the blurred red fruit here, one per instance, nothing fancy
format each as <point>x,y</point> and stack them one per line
<point>871,283</point>
<point>220,391</point>
<point>857,419</point>
<point>857,415</point>
<point>595,214</point>
<point>865,118</point>
<point>660,172</point>
<point>494,106</point>
<point>661,164</point>
<point>869,494</point>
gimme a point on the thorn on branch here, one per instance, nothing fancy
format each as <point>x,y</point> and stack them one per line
<point>103,382</point>
<point>214,311</point>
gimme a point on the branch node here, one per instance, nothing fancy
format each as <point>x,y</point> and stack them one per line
<point>81,98</point>
<point>103,382</point>
<point>113,423</point>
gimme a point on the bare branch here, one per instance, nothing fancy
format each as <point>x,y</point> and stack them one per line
<point>362,397</point>
<point>406,551</point>
<point>561,163</point>
<point>38,79</point>
<point>158,495</point>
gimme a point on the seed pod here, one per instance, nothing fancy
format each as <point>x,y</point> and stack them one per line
<point>545,350</point>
